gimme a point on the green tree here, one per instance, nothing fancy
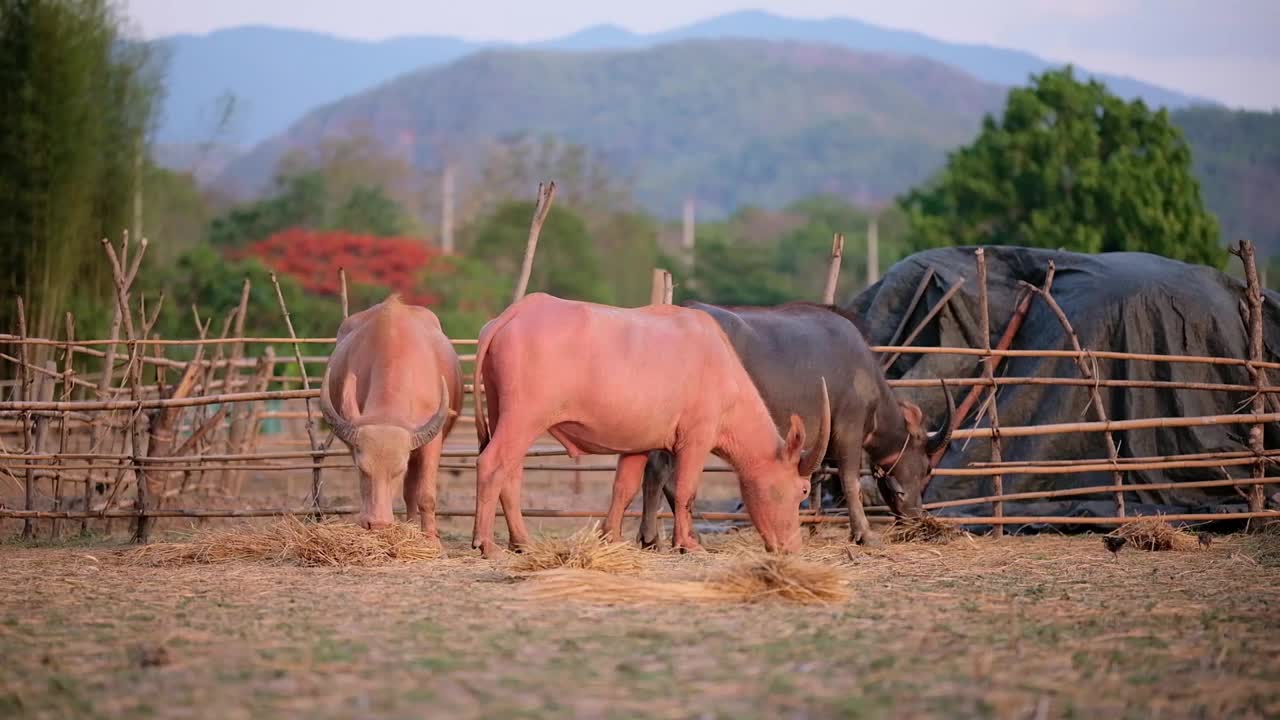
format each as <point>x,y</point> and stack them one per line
<point>77,99</point>
<point>1069,165</point>
<point>369,211</point>
<point>299,201</point>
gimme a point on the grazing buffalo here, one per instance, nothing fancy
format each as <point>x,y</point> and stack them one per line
<point>785,349</point>
<point>606,380</point>
<point>391,391</point>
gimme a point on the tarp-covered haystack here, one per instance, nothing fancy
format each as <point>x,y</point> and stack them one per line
<point>1131,302</point>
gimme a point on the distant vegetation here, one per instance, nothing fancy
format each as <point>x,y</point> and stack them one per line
<point>1070,166</point>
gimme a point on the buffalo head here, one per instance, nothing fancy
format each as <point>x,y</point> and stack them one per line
<point>381,453</point>
<point>902,477</point>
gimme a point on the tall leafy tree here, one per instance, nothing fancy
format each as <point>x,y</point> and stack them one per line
<point>566,264</point>
<point>77,99</point>
<point>1069,165</point>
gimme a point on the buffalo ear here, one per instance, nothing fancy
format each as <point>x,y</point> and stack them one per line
<point>795,440</point>
<point>913,415</point>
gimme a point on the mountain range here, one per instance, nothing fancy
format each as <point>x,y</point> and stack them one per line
<point>276,75</point>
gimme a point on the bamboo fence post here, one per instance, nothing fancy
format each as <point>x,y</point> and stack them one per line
<point>40,428</point>
<point>988,373</point>
<point>122,281</point>
<point>1257,433</point>
<point>68,374</point>
<point>546,194</point>
<point>658,289</point>
<point>317,484</point>
<point>833,270</point>
<point>668,288</point>
<point>235,431</point>
<point>24,388</point>
<point>261,377</point>
<point>342,289</point>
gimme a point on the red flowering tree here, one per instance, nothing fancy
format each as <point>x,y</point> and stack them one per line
<point>312,257</point>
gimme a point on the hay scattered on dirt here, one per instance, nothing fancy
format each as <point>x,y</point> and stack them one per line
<point>1154,534</point>
<point>923,529</point>
<point>1264,545</point>
<point>583,550</point>
<point>331,543</point>
<point>766,577</point>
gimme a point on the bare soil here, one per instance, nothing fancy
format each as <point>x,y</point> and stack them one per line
<point>1042,627</point>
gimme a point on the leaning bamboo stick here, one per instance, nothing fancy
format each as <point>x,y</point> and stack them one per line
<point>342,289</point>
<point>911,306</point>
<point>68,374</point>
<point>546,194</point>
<point>907,347</point>
<point>317,486</point>
<point>1086,371</point>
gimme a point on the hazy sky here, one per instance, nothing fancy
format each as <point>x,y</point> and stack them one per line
<point>1224,49</point>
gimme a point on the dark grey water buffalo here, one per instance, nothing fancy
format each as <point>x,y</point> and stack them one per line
<point>785,349</point>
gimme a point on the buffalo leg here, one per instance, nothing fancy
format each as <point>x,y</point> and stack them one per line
<point>626,483</point>
<point>849,457</point>
<point>420,487</point>
<point>668,490</point>
<point>657,481</point>
<point>499,472</point>
<point>689,461</point>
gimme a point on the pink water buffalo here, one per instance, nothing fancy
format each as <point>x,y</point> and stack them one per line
<point>391,391</point>
<point>606,380</point>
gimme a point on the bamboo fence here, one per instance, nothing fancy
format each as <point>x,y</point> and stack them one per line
<point>123,443</point>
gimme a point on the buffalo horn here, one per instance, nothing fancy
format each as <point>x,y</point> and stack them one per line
<point>942,436</point>
<point>810,461</point>
<point>428,430</point>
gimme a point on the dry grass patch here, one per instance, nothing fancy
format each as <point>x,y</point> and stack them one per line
<point>583,550</point>
<point>923,529</point>
<point>1154,534</point>
<point>331,543</point>
<point>751,579</point>
<point>1264,545</point>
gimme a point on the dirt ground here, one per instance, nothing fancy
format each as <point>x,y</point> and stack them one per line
<point>1040,627</point>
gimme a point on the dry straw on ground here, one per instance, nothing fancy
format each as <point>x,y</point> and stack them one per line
<point>331,543</point>
<point>1152,533</point>
<point>1264,546</point>
<point>751,579</point>
<point>583,550</point>
<point>923,529</point>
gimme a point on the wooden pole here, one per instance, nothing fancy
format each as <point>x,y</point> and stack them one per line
<point>40,427</point>
<point>236,429</point>
<point>1257,433</point>
<point>68,374</point>
<point>911,306</point>
<point>446,211</point>
<point>317,484</point>
<point>833,270</point>
<point>988,372</point>
<point>668,288</point>
<point>873,252</point>
<point>24,390</point>
<point>546,194</point>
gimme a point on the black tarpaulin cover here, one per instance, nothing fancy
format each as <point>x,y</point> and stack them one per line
<point>1131,302</point>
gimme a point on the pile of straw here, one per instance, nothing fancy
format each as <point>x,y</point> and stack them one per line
<point>923,529</point>
<point>583,550</point>
<point>765,577</point>
<point>331,543</point>
<point>1264,545</point>
<point>1154,534</point>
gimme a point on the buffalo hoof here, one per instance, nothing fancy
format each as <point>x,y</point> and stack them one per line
<point>651,544</point>
<point>692,548</point>
<point>488,549</point>
<point>869,539</point>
